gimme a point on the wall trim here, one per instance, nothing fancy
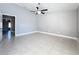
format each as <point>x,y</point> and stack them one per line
<point>59,35</point>
<point>53,34</point>
<point>26,33</point>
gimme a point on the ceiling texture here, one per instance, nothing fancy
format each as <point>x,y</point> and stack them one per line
<point>50,6</point>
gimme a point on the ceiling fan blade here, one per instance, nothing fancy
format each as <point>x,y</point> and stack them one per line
<point>44,10</point>
<point>37,8</point>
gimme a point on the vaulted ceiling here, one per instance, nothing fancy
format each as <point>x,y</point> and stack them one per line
<point>50,6</point>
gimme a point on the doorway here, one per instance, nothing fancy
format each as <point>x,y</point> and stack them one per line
<point>8,30</point>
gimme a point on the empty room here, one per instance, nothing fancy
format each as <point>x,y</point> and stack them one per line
<point>39,29</point>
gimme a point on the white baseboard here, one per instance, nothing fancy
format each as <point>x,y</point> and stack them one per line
<point>59,35</point>
<point>26,33</point>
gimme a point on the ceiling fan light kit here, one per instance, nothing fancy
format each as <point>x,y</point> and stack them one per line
<point>39,12</point>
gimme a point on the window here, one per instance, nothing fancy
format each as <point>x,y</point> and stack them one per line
<point>9,25</point>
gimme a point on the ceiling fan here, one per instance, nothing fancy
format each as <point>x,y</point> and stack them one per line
<point>39,11</point>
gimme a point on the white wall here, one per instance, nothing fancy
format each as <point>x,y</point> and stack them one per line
<point>63,23</point>
<point>25,21</point>
<point>78,22</point>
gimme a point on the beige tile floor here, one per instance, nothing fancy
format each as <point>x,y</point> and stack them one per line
<point>39,44</point>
